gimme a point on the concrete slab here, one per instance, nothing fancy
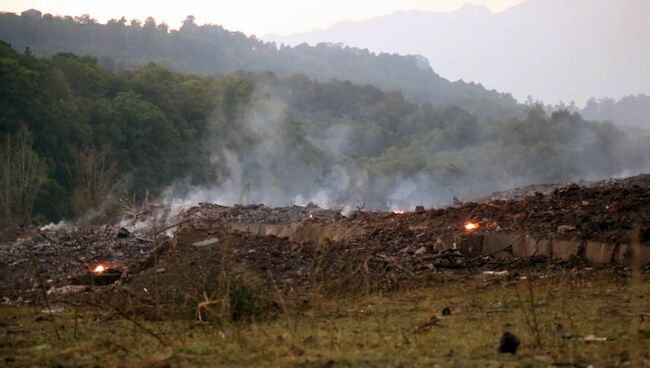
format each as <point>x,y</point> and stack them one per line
<point>622,254</point>
<point>599,253</point>
<point>493,243</point>
<point>565,249</point>
<point>532,247</point>
<point>470,244</point>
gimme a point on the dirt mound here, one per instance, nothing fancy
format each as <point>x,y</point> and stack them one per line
<point>382,250</point>
<point>292,250</point>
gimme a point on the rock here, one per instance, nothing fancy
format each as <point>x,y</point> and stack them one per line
<point>123,233</point>
<point>206,242</point>
<point>66,290</point>
<point>509,343</point>
<point>594,338</point>
<point>419,209</point>
<point>565,229</point>
<point>420,251</point>
<point>495,273</point>
<point>53,309</point>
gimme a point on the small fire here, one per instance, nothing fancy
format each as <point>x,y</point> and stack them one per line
<point>311,216</point>
<point>470,226</point>
<point>99,269</point>
<point>399,212</point>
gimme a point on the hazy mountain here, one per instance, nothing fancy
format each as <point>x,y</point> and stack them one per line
<point>551,49</point>
<point>209,49</point>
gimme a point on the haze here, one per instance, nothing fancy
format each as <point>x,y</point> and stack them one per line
<point>554,50</point>
<point>248,16</point>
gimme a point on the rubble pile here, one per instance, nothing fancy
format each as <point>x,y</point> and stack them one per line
<point>50,258</point>
<point>606,212</point>
<point>258,213</point>
<point>294,249</point>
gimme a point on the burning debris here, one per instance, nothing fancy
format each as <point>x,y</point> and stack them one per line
<point>99,269</point>
<point>99,275</point>
<point>471,226</point>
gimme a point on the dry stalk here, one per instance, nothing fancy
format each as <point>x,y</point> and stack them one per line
<point>635,301</point>
<point>41,286</point>
<point>135,322</point>
<point>533,309</point>
<point>278,292</point>
<point>530,312</point>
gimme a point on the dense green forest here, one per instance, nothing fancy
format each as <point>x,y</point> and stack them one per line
<point>209,49</point>
<point>76,138</point>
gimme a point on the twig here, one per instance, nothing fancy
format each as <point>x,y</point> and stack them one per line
<point>45,236</point>
<point>132,320</point>
<point>393,262</point>
<point>167,228</point>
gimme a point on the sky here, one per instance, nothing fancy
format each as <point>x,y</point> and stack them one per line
<point>259,17</point>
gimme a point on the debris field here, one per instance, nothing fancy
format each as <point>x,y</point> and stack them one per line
<point>162,259</point>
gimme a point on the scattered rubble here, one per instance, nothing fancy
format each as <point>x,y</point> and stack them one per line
<point>61,257</point>
<point>291,249</point>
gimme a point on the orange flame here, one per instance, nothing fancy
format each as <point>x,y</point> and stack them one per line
<point>99,269</point>
<point>399,212</point>
<point>470,226</point>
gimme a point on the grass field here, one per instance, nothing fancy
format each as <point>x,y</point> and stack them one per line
<point>563,318</point>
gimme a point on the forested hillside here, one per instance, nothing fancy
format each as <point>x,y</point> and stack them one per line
<point>629,111</point>
<point>77,138</point>
<point>209,49</point>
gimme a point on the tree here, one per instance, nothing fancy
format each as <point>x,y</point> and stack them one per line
<point>189,20</point>
<point>163,27</point>
<point>94,173</point>
<point>149,23</point>
<point>22,173</point>
<point>85,19</point>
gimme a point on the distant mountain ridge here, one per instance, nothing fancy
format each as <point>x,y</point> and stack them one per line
<point>210,49</point>
<point>551,49</point>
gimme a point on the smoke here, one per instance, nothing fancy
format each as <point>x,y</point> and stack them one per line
<point>267,155</point>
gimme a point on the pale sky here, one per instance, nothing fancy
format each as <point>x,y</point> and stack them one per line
<point>258,17</point>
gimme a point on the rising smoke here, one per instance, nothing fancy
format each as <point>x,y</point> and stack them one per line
<point>267,156</point>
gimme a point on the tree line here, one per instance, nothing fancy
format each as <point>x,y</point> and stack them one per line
<point>76,137</point>
<point>208,49</point>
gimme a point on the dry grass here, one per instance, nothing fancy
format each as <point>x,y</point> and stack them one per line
<point>374,330</point>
